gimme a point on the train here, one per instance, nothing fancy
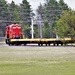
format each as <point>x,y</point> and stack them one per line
<point>14,36</point>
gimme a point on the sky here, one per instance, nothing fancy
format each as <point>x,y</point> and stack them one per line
<point>35,3</point>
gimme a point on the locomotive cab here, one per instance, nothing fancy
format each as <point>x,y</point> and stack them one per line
<point>14,31</point>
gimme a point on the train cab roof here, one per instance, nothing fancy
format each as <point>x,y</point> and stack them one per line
<point>12,25</point>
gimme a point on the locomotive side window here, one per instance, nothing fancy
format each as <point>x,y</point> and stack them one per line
<point>14,27</point>
<point>19,27</point>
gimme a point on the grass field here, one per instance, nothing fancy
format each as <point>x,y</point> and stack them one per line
<point>29,60</point>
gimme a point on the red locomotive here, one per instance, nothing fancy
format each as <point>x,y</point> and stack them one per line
<point>14,31</point>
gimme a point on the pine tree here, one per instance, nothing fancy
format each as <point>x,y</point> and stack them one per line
<point>51,12</point>
<point>65,26</point>
<point>63,5</point>
<point>25,11</point>
<point>3,16</point>
<point>13,13</point>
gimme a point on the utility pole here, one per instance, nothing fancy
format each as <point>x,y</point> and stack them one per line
<point>32,30</point>
<point>40,25</point>
<point>32,23</point>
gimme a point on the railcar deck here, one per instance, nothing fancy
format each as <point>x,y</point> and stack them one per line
<point>40,42</point>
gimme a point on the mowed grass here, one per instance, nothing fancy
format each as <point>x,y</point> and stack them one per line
<point>20,60</point>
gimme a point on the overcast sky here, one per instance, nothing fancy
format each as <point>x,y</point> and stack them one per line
<point>34,3</point>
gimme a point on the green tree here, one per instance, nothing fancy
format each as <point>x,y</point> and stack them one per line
<point>65,26</point>
<point>35,31</point>
<point>40,10</point>
<point>13,12</point>
<point>63,5</point>
<point>10,13</point>
<point>26,31</point>
<point>49,11</point>
<point>25,11</point>
<point>3,10</point>
<point>52,9</point>
<point>3,16</point>
<point>46,30</point>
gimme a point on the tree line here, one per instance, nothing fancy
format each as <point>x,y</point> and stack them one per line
<point>13,13</point>
<point>58,17</point>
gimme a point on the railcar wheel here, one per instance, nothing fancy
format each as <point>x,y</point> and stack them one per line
<point>49,44</point>
<point>25,44</point>
<point>38,44</point>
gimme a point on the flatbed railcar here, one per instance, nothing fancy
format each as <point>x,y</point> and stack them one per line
<point>14,36</point>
